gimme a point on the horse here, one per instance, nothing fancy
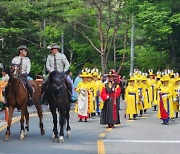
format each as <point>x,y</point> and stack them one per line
<point>57,98</point>
<point>17,96</point>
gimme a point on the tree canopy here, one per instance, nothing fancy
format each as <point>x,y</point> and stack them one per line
<point>96,33</point>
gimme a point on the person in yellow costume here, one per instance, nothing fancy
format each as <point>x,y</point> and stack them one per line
<point>82,103</point>
<point>176,96</point>
<point>131,97</point>
<point>92,106</point>
<point>151,84</point>
<point>139,85</point>
<point>157,89</point>
<point>167,94</point>
<point>97,87</point>
<point>172,80</point>
<point>145,93</point>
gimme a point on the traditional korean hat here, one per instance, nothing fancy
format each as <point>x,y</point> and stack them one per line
<point>94,72</point>
<point>177,79</point>
<point>84,74</point>
<point>165,78</point>
<point>138,77</point>
<point>111,73</point>
<point>158,75</point>
<point>132,78</point>
<point>150,72</point>
<point>144,78</point>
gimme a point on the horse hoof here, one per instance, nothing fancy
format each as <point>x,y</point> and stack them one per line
<point>22,135</point>
<point>55,140</point>
<point>68,134</point>
<point>25,132</point>
<point>61,139</point>
<point>53,136</point>
<point>42,131</point>
<point>6,138</point>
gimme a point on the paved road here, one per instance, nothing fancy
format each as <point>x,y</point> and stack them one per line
<point>144,136</point>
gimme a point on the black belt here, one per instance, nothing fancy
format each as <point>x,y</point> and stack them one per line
<point>165,93</point>
<point>131,93</point>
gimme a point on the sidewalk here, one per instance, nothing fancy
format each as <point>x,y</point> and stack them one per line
<point>16,113</point>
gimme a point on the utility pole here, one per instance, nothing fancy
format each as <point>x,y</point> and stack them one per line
<point>62,43</point>
<point>2,46</point>
<point>44,39</point>
<point>132,45</point>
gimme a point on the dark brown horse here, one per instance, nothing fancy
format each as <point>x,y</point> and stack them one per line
<point>57,97</point>
<point>17,96</point>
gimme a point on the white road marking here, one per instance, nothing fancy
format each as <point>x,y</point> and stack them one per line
<point>142,141</point>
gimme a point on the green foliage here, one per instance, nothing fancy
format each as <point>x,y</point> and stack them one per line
<point>147,57</point>
<point>157,31</point>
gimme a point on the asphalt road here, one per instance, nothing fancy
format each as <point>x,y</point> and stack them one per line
<point>143,136</point>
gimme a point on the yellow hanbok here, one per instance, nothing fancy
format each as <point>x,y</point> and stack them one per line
<point>151,89</point>
<point>131,97</point>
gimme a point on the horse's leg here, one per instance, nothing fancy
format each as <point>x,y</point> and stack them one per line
<point>23,110</point>
<point>27,121</point>
<point>68,129</point>
<point>55,131</point>
<point>39,112</point>
<point>11,110</point>
<point>61,123</point>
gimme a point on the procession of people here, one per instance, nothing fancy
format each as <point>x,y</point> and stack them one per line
<point>95,96</point>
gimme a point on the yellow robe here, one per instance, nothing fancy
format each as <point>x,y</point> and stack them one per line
<point>156,92</point>
<point>151,83</point>
<point>167,95</point>
<point>176,98</point>
<point>131,97</point>
<point>97,88</point>
<point>91,101</point>
<point>140,96</point>
<point>145,92</point>
<point>81,85</point>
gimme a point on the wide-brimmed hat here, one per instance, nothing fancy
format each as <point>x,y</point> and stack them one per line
<point>22,47</point>
<point>53,46</point>
<point>95,74</point>
<point>138,77</point>
<point>165,78</point>
<point>84,75</point>
<point>111,73</point>
<point>132,78</point>
<point>144,78</point>
<point>177,79</point>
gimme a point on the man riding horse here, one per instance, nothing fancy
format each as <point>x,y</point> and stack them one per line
<point>24,63</point>
<point>56,61</point>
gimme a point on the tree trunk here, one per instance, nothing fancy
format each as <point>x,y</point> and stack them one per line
<point>103,63</point>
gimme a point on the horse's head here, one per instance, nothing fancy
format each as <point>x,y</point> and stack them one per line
<point>57,82</point>
<point>15,70</point>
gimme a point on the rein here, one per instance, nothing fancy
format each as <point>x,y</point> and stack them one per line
<point>58,87</point>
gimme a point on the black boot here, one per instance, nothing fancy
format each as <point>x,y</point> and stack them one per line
<point>30,101</point>
<point>141,112</point>
<point>154,108</point>
<point>176,114</point>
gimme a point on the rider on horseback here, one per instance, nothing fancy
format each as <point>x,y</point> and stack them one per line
<point>25,65</point>
<point>56,61</point>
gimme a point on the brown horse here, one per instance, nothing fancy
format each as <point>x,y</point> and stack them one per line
<point>17,96</point>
